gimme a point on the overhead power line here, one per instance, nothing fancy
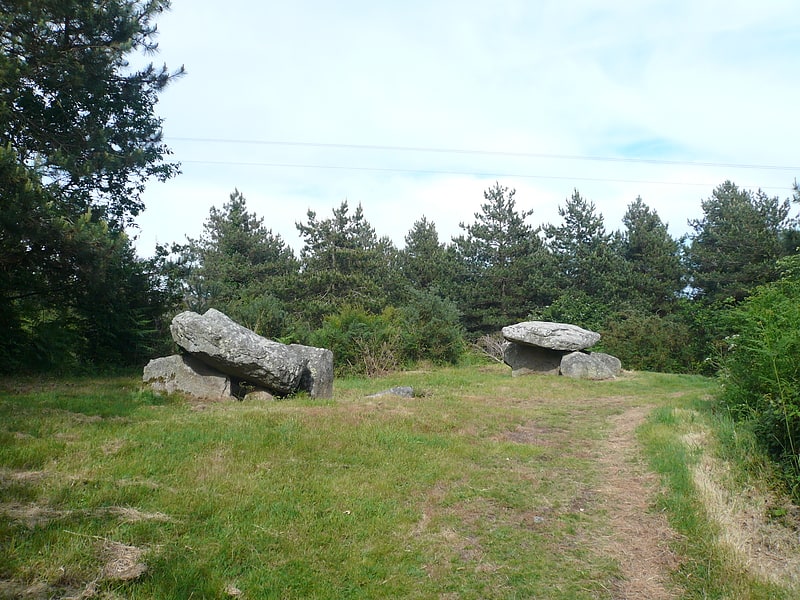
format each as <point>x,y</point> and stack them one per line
<point>384,148</point>
<point>452,172</point>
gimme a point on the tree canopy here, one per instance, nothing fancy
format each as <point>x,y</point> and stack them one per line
<point>73,110</point>
<point>736,245</point>
<point>498,255</point>
<point>653,256</point>
<point>78,140</point>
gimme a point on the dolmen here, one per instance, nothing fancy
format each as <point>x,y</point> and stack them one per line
<point>556,349</point>
<point>220,358</point>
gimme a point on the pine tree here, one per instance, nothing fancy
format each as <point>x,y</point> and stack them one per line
<point>736,244</point>
<point>343,262</point>
<point>424,260</point>
<point>240,267</point>
<point>79,139</point>
<point>653,257</point>
<point>585,254</point>
<point>499,256</point>
<point>72,109</point>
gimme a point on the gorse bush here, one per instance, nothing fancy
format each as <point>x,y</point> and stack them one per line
<point>425,329</point>
<point>361,342</point>
<point>430,329</point>
<point>648,342</point>
<point>761,371</point>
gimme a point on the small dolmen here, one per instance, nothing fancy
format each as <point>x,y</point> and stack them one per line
<point>221,358</point>
<point>556,349</point>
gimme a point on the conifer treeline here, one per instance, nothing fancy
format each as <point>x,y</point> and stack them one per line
<point>659,302</point>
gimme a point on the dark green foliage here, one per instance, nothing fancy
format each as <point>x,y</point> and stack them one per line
<point>735,245</point>
<point>240,267</point>
<point>78,140</point>
<point>430,329</point>
<point>72,292</point>
<point>362,342</point>
<point>71,108</point>
<point>649,342</point>
<point>761,372</point>
<point>586,258</point>
<point>710,326</point>
<point>498,260</point>
<point>575,307</point>
<point>343,263</point>
<point>425,329</point>
<point>653,258</point>
<point>424,262</point>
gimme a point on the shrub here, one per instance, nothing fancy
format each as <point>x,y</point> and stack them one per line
<point>265,314</point>
<point>430,329</point>
<point>761,371</point>
<point>426,328</point>
<point>575,308</point>
<point>649,342</point>
<point>361,342</point>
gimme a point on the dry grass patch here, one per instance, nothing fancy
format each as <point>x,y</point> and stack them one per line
<point>534,433</point>
<point>35,515</point>
<point>719,495</point>
<point>122,562</point>
<point>766,546</point>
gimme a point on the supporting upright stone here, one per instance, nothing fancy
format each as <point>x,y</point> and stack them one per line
<point>525,360</point>
<point>317,377</point>
<point>591,365</point>
<point>186,375</point>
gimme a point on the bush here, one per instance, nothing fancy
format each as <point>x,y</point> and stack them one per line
<point>361,342</point>
<point>761,371</point>
<point>430,330</point>
<point>265,314</point>
<point>426,328</point>
<point>649,342</point>
<point>575,308</point>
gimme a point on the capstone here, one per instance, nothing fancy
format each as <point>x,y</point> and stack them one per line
<point>555,336</point>
<point>235,350</point>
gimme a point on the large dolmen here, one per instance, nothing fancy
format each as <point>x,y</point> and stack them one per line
<point>222,356</point>
<point>556,349</point>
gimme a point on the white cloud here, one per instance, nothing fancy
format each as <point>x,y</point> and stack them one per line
<point>707,81</point>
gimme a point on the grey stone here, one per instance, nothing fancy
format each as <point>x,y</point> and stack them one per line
<point>186,375</point>
<point>556,336</point>
<point>402,391</point>
<point>591,365</point>
<point>525,360</point>
<point>259,396</point>
<point>225,345</point>
<point>317,377</point>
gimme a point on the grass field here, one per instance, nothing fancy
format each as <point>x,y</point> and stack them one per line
<point>482,486</point>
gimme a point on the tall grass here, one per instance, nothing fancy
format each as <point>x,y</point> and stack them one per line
<point>714,480</point>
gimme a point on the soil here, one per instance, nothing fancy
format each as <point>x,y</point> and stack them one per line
<point>641,537</point>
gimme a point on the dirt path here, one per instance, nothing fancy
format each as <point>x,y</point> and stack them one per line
<point>640,538</point>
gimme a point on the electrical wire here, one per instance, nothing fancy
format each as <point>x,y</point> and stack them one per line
<point>466,173</point>
<point>425,149</point>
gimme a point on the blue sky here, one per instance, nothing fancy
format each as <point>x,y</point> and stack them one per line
<point>416,108</point>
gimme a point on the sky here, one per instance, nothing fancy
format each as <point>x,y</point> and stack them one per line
<point>414,109</point>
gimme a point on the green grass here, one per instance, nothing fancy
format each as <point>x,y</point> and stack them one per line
<point>711,568</point>
<point>482,486</point>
